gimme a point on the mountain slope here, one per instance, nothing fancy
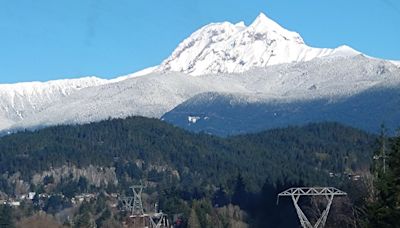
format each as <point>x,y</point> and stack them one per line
<point>230,114</point>
<point>21,100</point>
<point>231,48</point>
<point>149,96</point>
<point>155,94</point>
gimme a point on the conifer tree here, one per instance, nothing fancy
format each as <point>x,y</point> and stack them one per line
<point>239,195</point>
<point>385,210</point>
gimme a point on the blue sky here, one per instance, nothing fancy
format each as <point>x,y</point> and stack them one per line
<point>52,39</point>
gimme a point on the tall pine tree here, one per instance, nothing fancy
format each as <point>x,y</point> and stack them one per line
<point>385,210</point>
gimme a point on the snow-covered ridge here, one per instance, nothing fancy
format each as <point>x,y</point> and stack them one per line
<point>26,88</point>
<point>232,48</point>
<point>153,95</point>
<point>22,100</point>
<point>139,73</point>
<point>397,63</point>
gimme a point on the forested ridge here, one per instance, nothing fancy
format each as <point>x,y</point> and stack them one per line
<point>187,170</point>
<point>290,154</point>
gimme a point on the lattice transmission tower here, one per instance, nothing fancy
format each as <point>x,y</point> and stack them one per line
<point>134,204</point>
<point>296,193</point>
<point>137,216</point>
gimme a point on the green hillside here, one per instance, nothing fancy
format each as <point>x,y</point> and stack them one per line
<point>188,172</point>
<point>293,154</point>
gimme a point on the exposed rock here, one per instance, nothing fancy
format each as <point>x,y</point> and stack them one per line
<point>96,176</point>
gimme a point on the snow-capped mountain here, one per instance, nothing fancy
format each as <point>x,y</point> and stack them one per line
<point>232,48</point>
<point>260,63</point>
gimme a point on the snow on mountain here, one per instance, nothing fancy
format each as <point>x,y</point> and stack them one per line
<point>139,73</point>
<point>231,48</point>
<point>149,96</point>
<point>397,63</point>
<point>20,100</point>
<point>155,94</point>
<point>239,54</point>
<point>231,114</point>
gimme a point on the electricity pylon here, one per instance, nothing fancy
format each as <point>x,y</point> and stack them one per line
<point>134,204</point>
<point>296,193</point>
<point>138,218</point>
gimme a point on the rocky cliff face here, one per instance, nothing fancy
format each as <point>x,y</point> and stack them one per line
<point>96,176</point>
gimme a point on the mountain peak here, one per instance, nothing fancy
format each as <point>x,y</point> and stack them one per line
<point>232,48</point>
<point>264,22</point>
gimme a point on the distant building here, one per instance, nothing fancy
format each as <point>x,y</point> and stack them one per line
<point>193,119</point>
